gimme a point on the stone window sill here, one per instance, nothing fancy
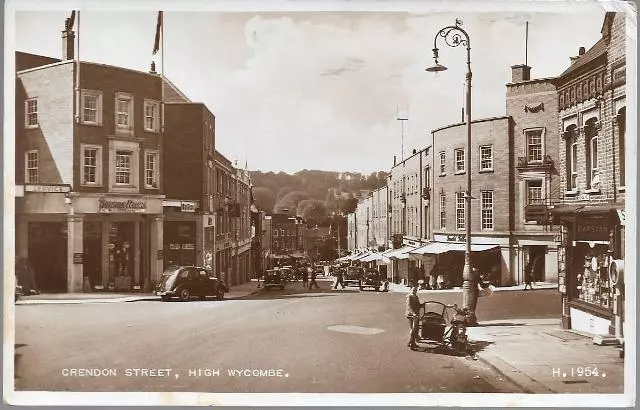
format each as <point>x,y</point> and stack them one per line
<point>459,172</point>
<point>486,171</point>
<point>573,192</point>
<point>622,189</point>
<point>443,175</point>
<point>592,191</point>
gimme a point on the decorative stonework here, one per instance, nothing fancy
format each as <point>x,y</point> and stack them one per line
<point>535,108</point>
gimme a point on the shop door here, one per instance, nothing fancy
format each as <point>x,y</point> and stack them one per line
<point>121,252</point>
<point>48,255</point>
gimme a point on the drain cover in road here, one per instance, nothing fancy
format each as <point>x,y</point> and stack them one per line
<point>356,330</point>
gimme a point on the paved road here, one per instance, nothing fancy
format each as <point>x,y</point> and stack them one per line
<point>311,341</point>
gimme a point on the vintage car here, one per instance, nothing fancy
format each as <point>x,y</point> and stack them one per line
<point>274,278</point>
<point>288,273</point>
<point>371,279</point>
<point>185,282</point>
<point>353,276</point>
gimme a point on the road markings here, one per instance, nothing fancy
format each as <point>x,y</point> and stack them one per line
<point>356,330</point>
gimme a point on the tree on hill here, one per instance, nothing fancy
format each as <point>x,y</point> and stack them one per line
<point>290,202</point>
<point>311,208</point>
<point>264,198</point>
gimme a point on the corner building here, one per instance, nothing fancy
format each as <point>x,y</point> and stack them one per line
<point>88,173</point>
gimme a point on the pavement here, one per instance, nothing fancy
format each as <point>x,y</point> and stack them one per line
<point>236,292</point>
<point>396,287</point>
<point>541,357</point>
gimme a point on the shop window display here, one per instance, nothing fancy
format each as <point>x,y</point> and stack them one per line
<point>592,284</point>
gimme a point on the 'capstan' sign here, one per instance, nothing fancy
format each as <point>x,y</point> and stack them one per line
<point>106,205</point>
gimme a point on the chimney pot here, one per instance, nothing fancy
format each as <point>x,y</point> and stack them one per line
<point>68,41</point>
<point>153,68</point>
<point>394,160</point>
<point>520,73</point>
<point>581,51</point>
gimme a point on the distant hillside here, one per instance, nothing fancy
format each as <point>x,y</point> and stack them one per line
<point>278,191</point>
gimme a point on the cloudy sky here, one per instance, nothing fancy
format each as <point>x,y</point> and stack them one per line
<point>307,89</point>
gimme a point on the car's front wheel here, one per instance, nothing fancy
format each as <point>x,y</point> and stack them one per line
<point>220,295</point>
<point>184,294</point>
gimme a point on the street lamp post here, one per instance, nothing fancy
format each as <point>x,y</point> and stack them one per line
<point>455,36</point>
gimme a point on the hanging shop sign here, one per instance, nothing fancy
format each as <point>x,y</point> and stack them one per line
<point>110,205</point>
<point>592,230</point>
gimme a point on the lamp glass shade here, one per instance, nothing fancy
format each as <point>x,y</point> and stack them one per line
<point>436,68</point>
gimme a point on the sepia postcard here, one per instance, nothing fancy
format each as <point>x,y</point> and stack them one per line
<point>320,203</point>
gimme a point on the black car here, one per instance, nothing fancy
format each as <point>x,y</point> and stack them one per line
<point>274,278</point>
<point>371,279</point>
<point>185,282</point>
<point>353,276</point>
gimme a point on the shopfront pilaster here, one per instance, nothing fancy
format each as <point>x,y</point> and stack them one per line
<point>156,242</point>
<point>74,253</point>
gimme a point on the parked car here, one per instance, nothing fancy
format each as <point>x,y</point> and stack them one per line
<point>371,279</point>
<point>274,278</point>
<point>288,273</point>
<point>185,282</point>
<point>353,276</point>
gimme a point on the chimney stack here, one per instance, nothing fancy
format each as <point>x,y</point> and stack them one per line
<point>581,51</point>
<point>68,41</point>
<point>520,73</point>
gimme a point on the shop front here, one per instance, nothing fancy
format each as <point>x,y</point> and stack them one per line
<point>591,257</point>
<point>188,235</point>
<point>83,242</point>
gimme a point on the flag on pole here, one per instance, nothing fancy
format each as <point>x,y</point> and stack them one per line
<point>156,43</point>
<point>71,20</point>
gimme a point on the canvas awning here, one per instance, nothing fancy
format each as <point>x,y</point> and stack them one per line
<point>372,257</point>
<point>361,256</point>
<point>396,253</point>
<point>437,248</point>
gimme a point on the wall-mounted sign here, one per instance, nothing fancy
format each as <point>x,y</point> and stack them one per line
<point>562,287</point>
<point>207,220</point>
<point>160,254</point>
<point>188,246</point>
<point>187,206</point>
<point>108,206</point>
<point>78,258</point>
<point>174,246</point>
<point>456,238</point>
<point>592,230</point>
<point>47,188</point>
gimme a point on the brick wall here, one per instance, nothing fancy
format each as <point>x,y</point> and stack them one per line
<point>53,138</point>
<point>540,95</point>
<point>183,155</point>
<point>494,131</point>
<point>111,80</point>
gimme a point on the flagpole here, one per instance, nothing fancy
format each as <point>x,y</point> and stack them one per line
<point>77,58</point>
<point>162,71</point>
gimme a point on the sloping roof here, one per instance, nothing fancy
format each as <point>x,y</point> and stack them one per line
<point>173,93</point>
<point>598,49</point>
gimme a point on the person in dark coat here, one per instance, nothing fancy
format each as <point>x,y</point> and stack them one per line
<point>305,277</point>
<point>25,276</point>
<point>339,279</point>
<point>313,279</point>
<point>413,316</point>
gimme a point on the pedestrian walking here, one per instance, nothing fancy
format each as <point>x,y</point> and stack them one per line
<point>313,279</point>
<point>339,279</point>
<point>413,316</point>
<point>305,278</point>
<point>529,272</point>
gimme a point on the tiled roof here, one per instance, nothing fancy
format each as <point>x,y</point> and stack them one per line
<point>598,49</point>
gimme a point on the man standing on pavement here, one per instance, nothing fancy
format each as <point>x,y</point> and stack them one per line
<point>313,278</point>
<point>339,279</point>
<point>413,315</point>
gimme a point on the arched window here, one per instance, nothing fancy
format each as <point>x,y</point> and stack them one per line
<point>571,157</point>
<point>591,153</point>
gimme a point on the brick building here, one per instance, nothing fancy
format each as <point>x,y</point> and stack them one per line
<point>232,202</point>
<point>188,153</point>
<point>88,173</point>
<point>592,121</point>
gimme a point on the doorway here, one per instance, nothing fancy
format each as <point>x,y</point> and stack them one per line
<point>48,255</point>
<point>535,261</point>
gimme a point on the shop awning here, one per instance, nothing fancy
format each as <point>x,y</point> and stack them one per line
<point>372,257</point>
<point>361,256</point>
<point>613,211</point>
<point>396,253</point>
<point>433,248</point>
